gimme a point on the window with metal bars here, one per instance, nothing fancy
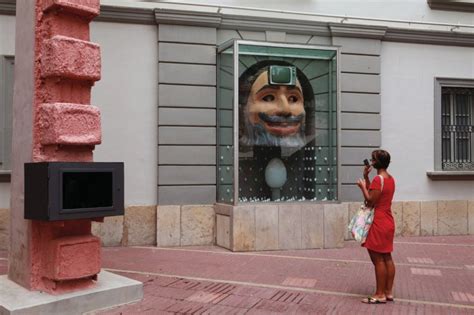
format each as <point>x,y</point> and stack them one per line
<point>6,106</point>
<point>457,128</point>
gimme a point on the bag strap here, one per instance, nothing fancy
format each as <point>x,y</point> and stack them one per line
<point>381,178</point>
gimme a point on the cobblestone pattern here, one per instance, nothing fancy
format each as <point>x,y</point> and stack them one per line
<point>434,276</point>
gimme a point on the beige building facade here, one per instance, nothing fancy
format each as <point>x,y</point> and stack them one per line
<point>157,96</point>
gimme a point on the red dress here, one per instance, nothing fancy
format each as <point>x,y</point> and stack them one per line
<point>382,231</point>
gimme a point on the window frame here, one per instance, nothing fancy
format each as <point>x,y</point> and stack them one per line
<point>5,174</point>
<point>439,173</point>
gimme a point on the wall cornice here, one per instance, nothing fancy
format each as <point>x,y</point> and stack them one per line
<point>252,23</point>
<point>352,30</point>
<point>208,19</point>
<point>109,13</point>
<point>228,18</point>
<point>430,37</point>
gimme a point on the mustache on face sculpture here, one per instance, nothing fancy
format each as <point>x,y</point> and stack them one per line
<point>281,119</point>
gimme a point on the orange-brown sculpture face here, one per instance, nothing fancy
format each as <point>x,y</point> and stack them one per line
<point>274,114</point>
<point>278,108</point>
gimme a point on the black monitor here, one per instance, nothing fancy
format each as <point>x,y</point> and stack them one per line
<point>73,190</point>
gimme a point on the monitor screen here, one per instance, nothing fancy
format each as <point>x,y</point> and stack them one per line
<point>87,190</point>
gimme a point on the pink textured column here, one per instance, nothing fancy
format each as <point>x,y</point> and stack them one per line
<point>53,121</point>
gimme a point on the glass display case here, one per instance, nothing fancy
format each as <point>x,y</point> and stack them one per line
<point>277,123</point>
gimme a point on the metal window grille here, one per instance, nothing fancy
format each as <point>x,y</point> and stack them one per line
<point>457,125</point>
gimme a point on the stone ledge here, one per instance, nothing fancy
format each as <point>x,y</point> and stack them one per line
<point>70,124</point>
<point>66,57</point>
<point>462,6</point>
<point>450,175</point>
<point>5,176</point>
<point>110,290</point>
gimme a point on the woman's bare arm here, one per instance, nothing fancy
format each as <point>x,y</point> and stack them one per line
<point>371,196</point>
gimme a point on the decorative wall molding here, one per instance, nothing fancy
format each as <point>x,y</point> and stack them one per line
<point>109,13</point>
<point>253,23</point>
<point>237,19</point>
<point>429,37</point>
<point>207,19</point>
<point>353,30</point>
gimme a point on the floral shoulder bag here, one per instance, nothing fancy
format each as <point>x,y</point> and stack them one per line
<point>362,221</point>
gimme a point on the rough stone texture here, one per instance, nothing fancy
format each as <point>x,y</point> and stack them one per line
<point>168,226</point>
<point>4,227</point>
<point>452,217</point>
<point>110,231</point>
<point>223,231</point>
<point>72,257</point>
<point>470,216</point>
<point>334,225</point>
<point>243,228</point>
<point>44,251</point>
<point>353,207</point>
<point>139,226</point>
<point>397,212</point>
<point>411,218</point>
<point>289,226</point>
<point>312,228</point>
<point>197,225</point>
<point>85,8</point>
<point>71,58</point>
<point>266,222</point>
<point>70,124</point>
<point>429,218</point>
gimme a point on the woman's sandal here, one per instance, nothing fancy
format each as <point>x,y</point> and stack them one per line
<point>389,298</point>
<point>372,300</point>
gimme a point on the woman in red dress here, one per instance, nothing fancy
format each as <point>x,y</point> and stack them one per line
<point>379,242</point>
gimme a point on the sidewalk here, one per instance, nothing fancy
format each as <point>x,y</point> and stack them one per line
<point>435,275</point>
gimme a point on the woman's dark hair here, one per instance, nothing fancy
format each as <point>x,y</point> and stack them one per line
<point>248,77</point>
<point>382,159</point>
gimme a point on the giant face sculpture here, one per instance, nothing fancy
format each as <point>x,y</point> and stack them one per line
<point>276,132</point>
<point>272,108</point>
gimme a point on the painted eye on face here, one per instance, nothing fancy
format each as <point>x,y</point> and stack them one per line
<point>268,98</point>
<point>293,99</point>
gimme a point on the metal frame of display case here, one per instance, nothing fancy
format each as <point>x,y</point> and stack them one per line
<point>235,43</point>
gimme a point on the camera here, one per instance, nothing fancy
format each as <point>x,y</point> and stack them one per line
<point>366,162</point>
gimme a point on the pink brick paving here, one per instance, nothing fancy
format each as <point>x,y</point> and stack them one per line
<point>210,280</point>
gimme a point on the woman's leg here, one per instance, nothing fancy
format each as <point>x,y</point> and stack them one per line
<point>390,266</point>
<point>380,273</point>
